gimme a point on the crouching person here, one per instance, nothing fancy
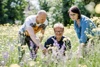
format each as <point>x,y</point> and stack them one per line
<point>27,33</point>
<point>58,43</point>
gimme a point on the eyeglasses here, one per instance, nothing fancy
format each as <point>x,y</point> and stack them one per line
<point>72,14</point>
<point>58,31</point>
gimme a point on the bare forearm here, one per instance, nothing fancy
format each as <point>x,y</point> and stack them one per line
<point>35,40</point>
<point>33,36</point>
<point>41,38</point>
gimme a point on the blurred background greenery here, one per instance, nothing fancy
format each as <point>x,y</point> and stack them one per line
<point>15,11</point>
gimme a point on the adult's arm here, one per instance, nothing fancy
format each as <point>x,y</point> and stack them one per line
<point>33,36</point>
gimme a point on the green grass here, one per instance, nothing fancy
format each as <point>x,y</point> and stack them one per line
<point>9,52</point>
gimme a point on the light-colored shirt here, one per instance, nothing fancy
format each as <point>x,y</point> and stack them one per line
<point>86,26</point>
<point>29,21</point>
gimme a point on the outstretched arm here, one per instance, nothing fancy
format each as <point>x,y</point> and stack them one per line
<point>41,37</point>
<point>33,36</point>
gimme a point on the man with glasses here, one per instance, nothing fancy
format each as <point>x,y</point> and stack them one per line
<point>58,40</point>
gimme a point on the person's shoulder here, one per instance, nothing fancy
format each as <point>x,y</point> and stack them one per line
<point>83,17</point>
<point>31,17</point>
<point>50,39</point>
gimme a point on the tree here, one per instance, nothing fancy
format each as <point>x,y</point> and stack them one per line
<point>44,5</point>
<point>88,1</point>
<point>11,10</point>
<point>3,10</point>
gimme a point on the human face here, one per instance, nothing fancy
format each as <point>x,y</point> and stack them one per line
<point>73,16</point>
<point>58,32</point>
<point>41,18</point>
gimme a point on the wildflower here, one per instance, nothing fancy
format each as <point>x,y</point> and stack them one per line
<point>21,64</point>
<point>14,65</point>
<point>19,44</point>
<point>23,47</point>
<point>11,48</point>
<point>31,45</point>
<point>5,55</point>
<point>97,8</point>
<point>31,63</point>
<point>82,65</point>
<point>2,63</point>
<point>55,43</point>
<point>65,39</point>
<point>96,31</point>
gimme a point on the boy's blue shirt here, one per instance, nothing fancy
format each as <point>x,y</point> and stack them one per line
<point>86,26</point>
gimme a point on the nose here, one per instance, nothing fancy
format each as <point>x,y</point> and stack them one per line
<point>42,20</point>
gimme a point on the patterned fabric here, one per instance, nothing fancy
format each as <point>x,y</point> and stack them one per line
<point>36,28</point>
<point>23,40</point>
<point>30,21</point>
<point>53,42</point>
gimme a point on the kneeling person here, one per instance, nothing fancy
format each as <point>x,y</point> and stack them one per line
<point>58,40</point>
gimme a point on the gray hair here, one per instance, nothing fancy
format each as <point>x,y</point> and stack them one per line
<point>58,25</point>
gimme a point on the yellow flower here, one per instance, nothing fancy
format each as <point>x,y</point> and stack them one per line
<point>23,47</point>
<point>82,65</point>
<point>31,63</point>
<point>14,65</point>
<point>97,8</point>
<point>19,44</point>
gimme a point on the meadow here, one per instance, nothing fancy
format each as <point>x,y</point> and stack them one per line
<point>9,52</point>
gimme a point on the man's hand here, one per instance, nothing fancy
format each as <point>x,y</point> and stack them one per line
<point>44,51</point>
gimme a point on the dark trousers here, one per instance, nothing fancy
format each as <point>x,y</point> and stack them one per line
<point>26,40</point>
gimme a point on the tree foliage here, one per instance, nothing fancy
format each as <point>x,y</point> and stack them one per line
<point>44,5</point>
<point>58,9</point>
<point>88,1</point>
<point>66,5</point>
<point>11,10</point>
<point>53,7</point>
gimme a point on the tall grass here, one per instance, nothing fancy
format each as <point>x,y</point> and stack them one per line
<point>9,52</point>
